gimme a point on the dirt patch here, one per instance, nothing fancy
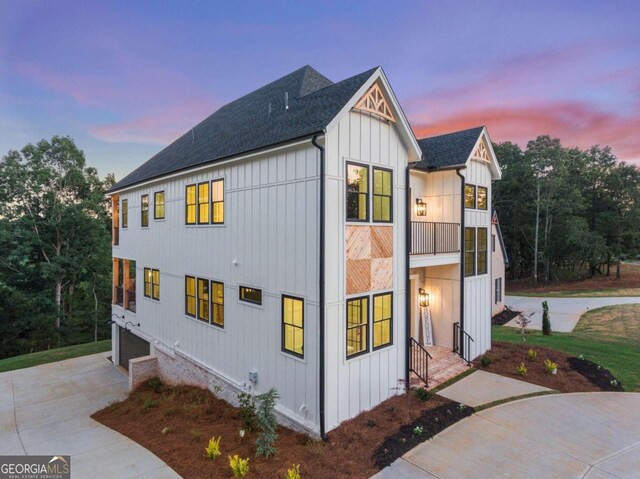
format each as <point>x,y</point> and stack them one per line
<point>190,416</point>
<point>596,374</point>
<point>621,322</point>
<point>506,357</point>
<point>504,317</point>
<point>430,423</point>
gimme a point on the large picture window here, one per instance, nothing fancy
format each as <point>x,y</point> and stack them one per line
<point>190,296</point>
<point>482,251</point>
<point>217,202</point>
<point>144,210</point>
<point>357,326</point>
<point>217,303</point>
<point>382,320</point>
<point>203,299</point>
<point>190,205</point>
<point>357,192</point>
<point>158,205</point>
<point>250,295</point>
<point>469,251</point>
<point>125,213</point>
<point>203,203</point>
<point>469,196</point>
<point>293,325</point>
<point>483,198</point>
<point>382,195</point>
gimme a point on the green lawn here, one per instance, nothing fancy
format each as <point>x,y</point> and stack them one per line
<point>607,336</point>
<point>52,355</point>
<point>587,293</point>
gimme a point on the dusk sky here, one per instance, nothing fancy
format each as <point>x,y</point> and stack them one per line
<point>124,79</point>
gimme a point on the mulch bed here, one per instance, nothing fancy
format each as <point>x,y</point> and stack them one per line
<point>574,374</point>
<point>504,317</point>
<point>190,416</point>
<point>430,423</point>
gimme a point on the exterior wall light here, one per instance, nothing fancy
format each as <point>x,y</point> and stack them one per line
<point>421,207</point>
<point>423,297</point>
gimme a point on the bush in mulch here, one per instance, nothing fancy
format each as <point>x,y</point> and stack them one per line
<point>596,374</point>
<point>430,423</point>
<point>504,317</point>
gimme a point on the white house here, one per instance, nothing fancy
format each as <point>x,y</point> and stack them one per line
<point>281,243</point>
<point>499,261</point>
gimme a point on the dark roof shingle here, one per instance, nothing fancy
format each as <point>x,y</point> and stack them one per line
<point>447,151</point>
<point>256,120</point>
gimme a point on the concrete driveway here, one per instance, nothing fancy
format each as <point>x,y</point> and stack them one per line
<point>44,410</point>
<point>565,312</point>
<point>560,436</point>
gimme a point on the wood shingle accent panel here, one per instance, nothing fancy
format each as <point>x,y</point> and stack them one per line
<point>358,276</point>
<point>382,241</point>
<point>358,242</point>
<point>381,273</point>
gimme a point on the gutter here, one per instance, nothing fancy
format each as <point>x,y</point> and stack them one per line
<point>321,294</point>
<point>462,248</point>
<point>407,295</point>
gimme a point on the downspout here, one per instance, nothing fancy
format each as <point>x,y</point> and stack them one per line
<point>408,276</point>
<point>321,268</point>
<point>462,247</point>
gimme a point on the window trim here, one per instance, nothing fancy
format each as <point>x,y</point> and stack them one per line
<point>206,282</point>
<point>373,194</point>
<point>346,192</point>
<point>154,284</point>
<point>186,204</point>
<point>186,296</point>
<point>283,324</point>
<point>155,205</point>
<point>142,211</point>
<point>212,303</point>
<point>213,203</point>
<point>124,213</point>
<point>248,301</point>
<point>475,198</point>
<point>485,251</point>
<point>486,198</point>
<point>475,251</point>
<point>198,203</point>
<point>145,283</point>
<point>373,321</point>
<point>366,324</point>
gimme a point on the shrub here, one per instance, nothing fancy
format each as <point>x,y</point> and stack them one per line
<point>546,321</point>
<point>294,472</point>
<point>248,411</point>
<point>533,354</point>
<point>266,421</point>
<point>485,361</point>
<point>550,366</point>
<point>522,369</point>
<point>422,394</point>
<point>418,431</point>
<point>212,451</point>
<point>148,403</point>
<point>155,384</point>
<point>239,466</point>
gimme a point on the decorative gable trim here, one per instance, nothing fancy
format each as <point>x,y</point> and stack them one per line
<point>481,152</point>
<point>375,102</point>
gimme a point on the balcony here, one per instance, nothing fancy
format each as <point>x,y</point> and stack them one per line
<point>117,295</point>
<point>434,243</point>
<point>131,300</point>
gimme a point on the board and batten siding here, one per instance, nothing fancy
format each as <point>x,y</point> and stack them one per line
<point>269,241</point>
<point>477,293</point>
<point>440,190</point>
<point>358,384</point>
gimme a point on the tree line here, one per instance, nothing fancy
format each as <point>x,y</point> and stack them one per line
<point>566,213</point>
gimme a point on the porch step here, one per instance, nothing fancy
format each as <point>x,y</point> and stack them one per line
<point>445,365</point>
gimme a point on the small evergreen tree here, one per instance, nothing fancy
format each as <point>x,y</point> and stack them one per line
<point>266,421</point>
<point>546,322</point>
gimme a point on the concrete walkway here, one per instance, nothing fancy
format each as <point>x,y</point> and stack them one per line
<point>482,387</point>
<point>44,410</point>
<point>564,312</point>
<point>560,436</point>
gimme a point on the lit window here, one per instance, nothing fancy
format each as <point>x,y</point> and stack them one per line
<point>357,326</point>
<point>147,282</point>
<point>203,203</point>
<point>217,303</point>
<point>382,195</point>
<point>155,284</point>
<point>293,325</point>
<point>469,196</point>
<point>203,299</point>
<point>190,296</point>
<point>357,193</point>
<point>144,210</point>
<point>158,205</point>
<point>250,295</point>
<point>482,198</point>
<point>469,251</point>
<point>125,213</point>
<point>482,250</point>
<point>382,322</point>
<point>190,205</point>
<point>217,201</point>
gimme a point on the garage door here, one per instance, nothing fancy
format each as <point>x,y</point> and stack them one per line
<point>131,347</point>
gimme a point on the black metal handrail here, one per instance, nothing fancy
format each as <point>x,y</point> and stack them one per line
<point>460,335</point>
<point>432,238</point>
<point>419,360</point>
<point>117,295</point>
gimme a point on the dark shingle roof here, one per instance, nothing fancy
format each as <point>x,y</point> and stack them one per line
<point>255,121</point>
<point>446,151</point>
